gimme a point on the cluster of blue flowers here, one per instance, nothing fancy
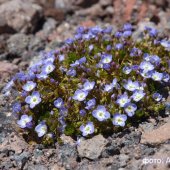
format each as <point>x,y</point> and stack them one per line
<point>96,77</point>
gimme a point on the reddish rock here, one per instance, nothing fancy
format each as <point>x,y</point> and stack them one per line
<point>156,136</point>
<point>94,11</point>
<point>14,143</point>
<point>6,67</point>
<point>129,6</point>
<point>57,14</point>
<point>88,23</point>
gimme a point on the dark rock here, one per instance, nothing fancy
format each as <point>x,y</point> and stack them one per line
<point>22,17</point>
<point>57,14</point>
<point>84,3</point>
<point>17,44</point>
<point>146,150</point>
<point>37,153</point>
<point>49,25</point>
<point>132,138</point>
<point>21,159</point>
<point>37,167</point>
<point>4,28</point>
<point>36,44</point>
<point>112,149</point>
<point>66,152</point>
<point>6,165</point>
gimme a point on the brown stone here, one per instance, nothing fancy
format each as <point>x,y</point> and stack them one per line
<point>156,136</point>
<point>15,143</point>
<point>92,148</point>
<point>6,67</point>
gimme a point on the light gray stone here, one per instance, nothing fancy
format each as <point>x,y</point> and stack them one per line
<point>92,148</point>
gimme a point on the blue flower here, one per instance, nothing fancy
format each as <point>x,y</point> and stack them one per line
<point>63,111</point>
<point>118,46</point>
<point>91,47</point>
<point>87,86</point>
<point>130,109</point>
<point>88,36</point>
<point>34,99</point>
<point>154,59</point>
<point>106,66</point>
<point>78,36</point>
<point>165,44</point>
<point>108,47</point>
<point>58,103</point>
<point>166,77</point>
<point>127,69</point>
<point>108,30</point>
<point>21,76</point>
<point>41,129</point>
<point>80,29</point>
<point>106,58</point>
<point>146,66</point>
<point>24,121</point>
<point>108,87</point>
<point>127,34</point>
<point>48,68</point>
<point>95,30</point>
<point>135,52</point>
<point>42,75</point>
<point>71,72</point>
<point>123,100</point>
<point>80,95</point>
<point>157,97</point>
<point>146,74</point>
<point>16,108</point>
<point>87,129</point>
<point>82,112</point>
<point>152,31</point>
<point>146,57</point>
<point>127,27</point>
<point>49,59</point>
<point>101,113</point>
<point>131,86</point>
<point>119,119</point>
<point>118,34</point>
<point>90,104</point>
<point>69,41</point>
<point>138,95</point>
<point>157,76</point>
<point>61,57</point>
<point>30,85</point>
<point>82,60</point>
<point>75,64</point>
<point>135,67</point>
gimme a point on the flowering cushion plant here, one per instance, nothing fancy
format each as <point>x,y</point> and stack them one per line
<point>96,82</point>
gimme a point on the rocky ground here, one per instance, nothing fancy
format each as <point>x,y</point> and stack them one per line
<point>30,26</point>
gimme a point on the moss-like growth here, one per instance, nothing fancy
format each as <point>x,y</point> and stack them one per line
<point>97,82</point>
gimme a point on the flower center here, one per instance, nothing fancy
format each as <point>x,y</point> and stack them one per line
<point>34,99</point>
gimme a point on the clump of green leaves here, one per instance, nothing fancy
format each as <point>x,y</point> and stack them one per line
<point>97,82</point>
